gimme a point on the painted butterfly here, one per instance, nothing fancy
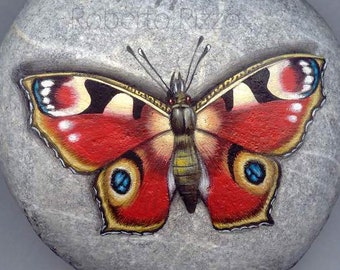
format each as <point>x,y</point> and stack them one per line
<point>220,148</point>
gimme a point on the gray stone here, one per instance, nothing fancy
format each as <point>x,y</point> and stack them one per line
<point>92,36</point>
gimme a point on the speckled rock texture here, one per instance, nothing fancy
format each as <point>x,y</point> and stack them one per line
<point>92,36</point>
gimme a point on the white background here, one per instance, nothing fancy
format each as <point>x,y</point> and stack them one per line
<point>20,247</point>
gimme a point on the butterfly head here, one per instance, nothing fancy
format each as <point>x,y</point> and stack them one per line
<point>177,91</point>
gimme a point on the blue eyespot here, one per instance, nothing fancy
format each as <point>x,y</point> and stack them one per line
<point>121,181</point>
<point>255,172</point>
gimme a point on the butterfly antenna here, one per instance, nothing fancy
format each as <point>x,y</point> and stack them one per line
<point>200,40</point>
<point>131,51</point>
<point>142,54</point>
<point>204,53</point>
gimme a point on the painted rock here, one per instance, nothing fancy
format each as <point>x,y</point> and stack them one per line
<point>197,135</point>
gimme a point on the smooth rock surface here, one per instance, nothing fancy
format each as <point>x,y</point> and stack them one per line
<point>70,223</point>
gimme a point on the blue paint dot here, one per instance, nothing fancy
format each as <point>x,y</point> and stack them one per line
<point>121,181</point>
<point>255,172</point>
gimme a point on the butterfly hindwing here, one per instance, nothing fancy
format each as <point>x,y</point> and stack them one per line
<point>241,184</point>
<point>134,192</point>
<point>261,114</point>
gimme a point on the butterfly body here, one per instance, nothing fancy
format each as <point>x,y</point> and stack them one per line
<point>221,148</point>
<point>185,161</point>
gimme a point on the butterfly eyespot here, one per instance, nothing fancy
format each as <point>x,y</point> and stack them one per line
<point>119,183</point>
<point>255,173</point>
<point>294,79</point>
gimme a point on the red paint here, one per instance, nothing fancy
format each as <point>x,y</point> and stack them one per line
<point>227,202</point>
<point>290,79</point>
<point>261,128</point>
<point>102,138</point>
<point>96,140</point>
<point>65,97</point>
<point>152,203</point>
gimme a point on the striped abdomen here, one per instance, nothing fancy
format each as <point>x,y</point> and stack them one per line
<point>186,165</point>
<point>187,170</point>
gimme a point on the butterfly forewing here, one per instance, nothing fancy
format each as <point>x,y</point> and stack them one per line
<point>268,111</point>
<point>89,121</point>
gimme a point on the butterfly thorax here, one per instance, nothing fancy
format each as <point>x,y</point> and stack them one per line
<point>185,161</point>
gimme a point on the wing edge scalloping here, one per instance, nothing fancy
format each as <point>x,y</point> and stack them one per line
<point>41,135</point>
<point>268,223</point>
<point>317,108</point>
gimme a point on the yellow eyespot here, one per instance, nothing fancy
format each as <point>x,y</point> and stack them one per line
<point>119,183</point>
<point>255,173</point>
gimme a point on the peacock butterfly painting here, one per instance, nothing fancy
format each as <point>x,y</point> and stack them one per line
<point>221,148</point>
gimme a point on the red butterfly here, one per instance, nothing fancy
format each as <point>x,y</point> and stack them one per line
<point>221,148</point>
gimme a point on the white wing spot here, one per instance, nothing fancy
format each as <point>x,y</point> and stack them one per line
<point>309,80</point>
<point>292,118</point>
<point>74,138</point>
<point>47,83</point>
<point>307,70</point>
<point>306,88</point>
<point>46,100</point>
<point>65,125</point>
<point>296,107</point>
<point>45,92</point>
<point>50,107</point>
<point>304,63</point>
